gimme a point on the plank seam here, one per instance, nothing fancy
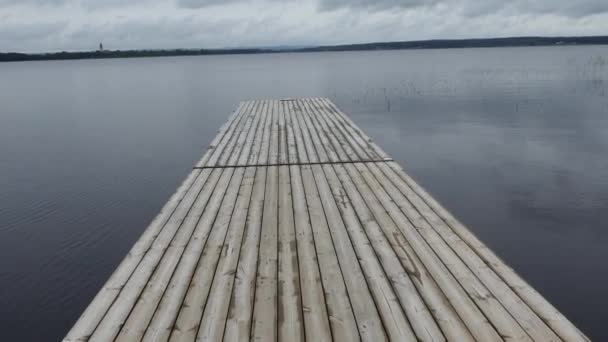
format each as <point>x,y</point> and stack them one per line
<point>386,160</point>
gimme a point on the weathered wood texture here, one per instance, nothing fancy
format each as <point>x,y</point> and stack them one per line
<point>295,226</point>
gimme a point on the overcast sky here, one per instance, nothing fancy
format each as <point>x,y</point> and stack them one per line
<point>54,25</point>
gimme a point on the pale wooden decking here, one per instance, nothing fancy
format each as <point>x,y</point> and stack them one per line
<point>295,226</point>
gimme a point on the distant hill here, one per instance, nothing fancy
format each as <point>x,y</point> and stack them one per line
<point>467,43</point>
<point>16,57</point>
<point>422,44</point>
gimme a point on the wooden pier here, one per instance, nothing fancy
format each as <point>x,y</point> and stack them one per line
<point>295,226</point>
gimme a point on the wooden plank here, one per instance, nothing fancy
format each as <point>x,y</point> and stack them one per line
<point>274,135</point>
<point>414,306</point>
<point>324,155</point>
<point>238,324</point>
<point>367,143</point>
<point>289,297</point>
<point>243,142</point>
<point>143,310</point>
<point>264,320</point>
<point>328,139</point>
<point>364,308</point>
<point>395,322</point>
<point>341,316</point>
<point>316,320</point>
<point>368,211</point>
<point>308,154</point>
<point>283,134</point>
<point>439,305</point>
<point>256,141</point>
<point>302,152</point>
<point>349,140</point>
<point>333,131</point>
<point>265,142</point>
<point>165,315</point>
<point>292,148</point>
<point>216,310</point>
<point>290,300</point>
<point>189,317</point>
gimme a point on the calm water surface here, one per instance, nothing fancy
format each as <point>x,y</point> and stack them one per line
<point>513,141</point>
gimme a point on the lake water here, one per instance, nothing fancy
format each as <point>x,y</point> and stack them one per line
<point>513,141</point>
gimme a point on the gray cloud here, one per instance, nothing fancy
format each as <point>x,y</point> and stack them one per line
<point>87,4</point>
<point>375,4</point>
<point>322,5</point>
<point>579,8</point>
<point>43,25</point>
<point>193,4</point>
<point>26,31</point>
<point>568,8</point>
<point>36,2</point>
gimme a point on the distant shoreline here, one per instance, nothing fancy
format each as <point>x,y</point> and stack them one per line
<point>422,44</point>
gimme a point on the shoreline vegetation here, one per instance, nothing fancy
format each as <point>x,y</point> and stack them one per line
<point>422,44</point>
